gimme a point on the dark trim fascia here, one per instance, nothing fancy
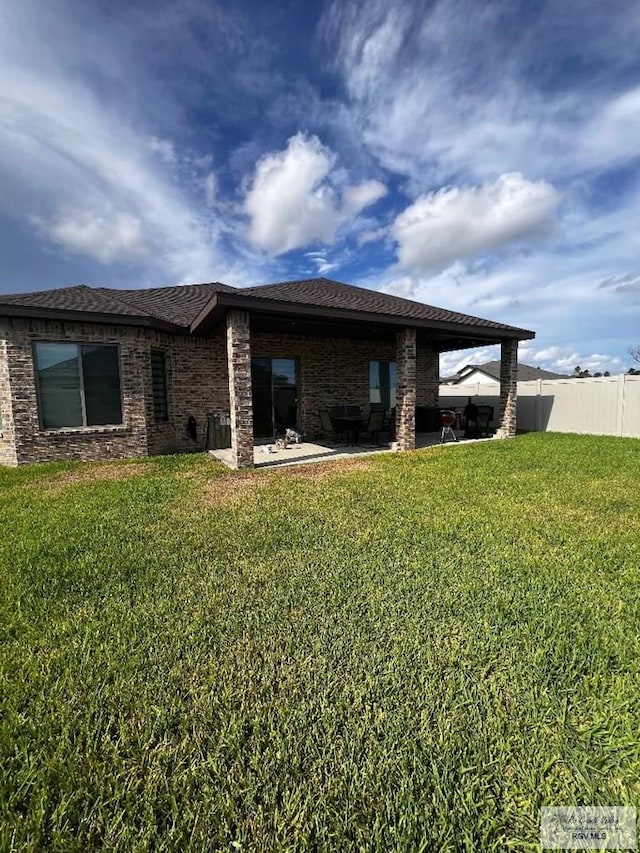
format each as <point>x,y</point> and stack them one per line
<point>255,304</point>
<point>29,312</point>
<point>204,314</point>
<point>457,344</point>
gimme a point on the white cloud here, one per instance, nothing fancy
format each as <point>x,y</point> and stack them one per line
<point>564,359</point>
<point>292,201</point>
<point>453,223</point>
<point>557,359</point>
<point>372,236</point>
<point>322,263</point>
<point>448,93</point>
<point>210,189</point>
<point>363,195</point>
<point>289,202</point>
<point>452,362</point>
<point>93,184</point>
<point>325,267</point>
<point>113,236</point>
<point>610,137</point>
<point>375,41</point>
<point>579,292</point>
<point>87,173</point>
<point>164,148</point>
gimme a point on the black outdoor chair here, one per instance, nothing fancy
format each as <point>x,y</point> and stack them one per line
<point>375,425</point>
<point>470,420</point>
<point>330,426</point>
<point>340,419</point>
<point>484,421</point>
<point>389,424</point>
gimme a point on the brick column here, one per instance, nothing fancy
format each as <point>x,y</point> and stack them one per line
<point>427,377</point>
<point>406,389</point>
<point>508,389</point>
<point>8,455</point>
<point>239,360</point>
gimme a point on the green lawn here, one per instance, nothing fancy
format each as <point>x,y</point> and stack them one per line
<point>409,652</point>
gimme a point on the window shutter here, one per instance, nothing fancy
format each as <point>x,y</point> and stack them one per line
<point>159,385</point>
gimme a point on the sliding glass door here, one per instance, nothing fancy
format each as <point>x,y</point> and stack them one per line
<point>275,395</point>
<point>382,385</point>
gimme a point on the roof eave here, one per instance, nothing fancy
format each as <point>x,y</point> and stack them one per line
<point>31,312</point>
<point>210,314</point>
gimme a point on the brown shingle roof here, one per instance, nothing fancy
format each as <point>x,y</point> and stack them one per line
<point>78,298</point>
<point>334,294</point>
<point>174,305</point>
<point>179,306</point>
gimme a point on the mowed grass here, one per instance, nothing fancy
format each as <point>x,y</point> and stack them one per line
<point>410,652</point>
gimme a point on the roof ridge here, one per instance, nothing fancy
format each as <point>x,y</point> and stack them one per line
<point>173,286</point>
<point>109,290</point>
<point>154,301</point>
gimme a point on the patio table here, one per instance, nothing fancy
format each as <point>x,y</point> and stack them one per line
<point>352,426</point>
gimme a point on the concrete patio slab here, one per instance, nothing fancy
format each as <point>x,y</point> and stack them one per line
<point>308,452</point>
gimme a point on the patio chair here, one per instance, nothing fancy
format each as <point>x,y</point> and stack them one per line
<point>447,421</point>
<point>484,420</point>
<point>389,424</point>
<point>375,425</point>
<point>329,425</point>
<point>470,418</point>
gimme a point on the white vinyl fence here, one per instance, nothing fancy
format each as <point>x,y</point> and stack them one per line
<point>604,406</point>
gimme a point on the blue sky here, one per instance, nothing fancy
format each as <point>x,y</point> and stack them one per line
<point>482,156</point>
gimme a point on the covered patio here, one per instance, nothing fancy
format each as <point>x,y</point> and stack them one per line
<point>298,348</point>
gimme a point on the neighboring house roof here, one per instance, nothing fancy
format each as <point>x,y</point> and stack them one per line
<point>526,373</point>
<point>197,308</point>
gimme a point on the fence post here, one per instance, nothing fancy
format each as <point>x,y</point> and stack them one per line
<point>539,407</point>
<point>622,393</point>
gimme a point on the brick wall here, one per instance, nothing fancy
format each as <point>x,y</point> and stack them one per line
<point>330,371</point>
<point>197,384</point>
<point>427,377</point>
<point>336,370</point>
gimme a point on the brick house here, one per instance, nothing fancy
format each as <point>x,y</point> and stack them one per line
<point>96,373</point>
